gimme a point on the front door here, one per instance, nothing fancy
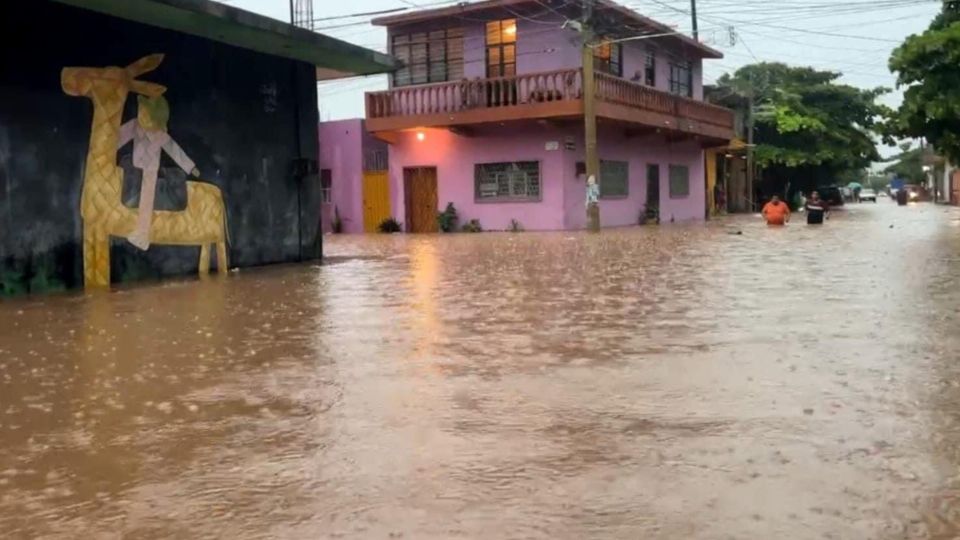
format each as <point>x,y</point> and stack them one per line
<point>376,199</point>
<point>653,191</point>
<point>420,186</point>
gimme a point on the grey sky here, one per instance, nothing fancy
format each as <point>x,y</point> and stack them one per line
<point>791,31</point>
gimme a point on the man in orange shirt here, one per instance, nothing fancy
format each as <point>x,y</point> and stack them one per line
<point>776,212</point>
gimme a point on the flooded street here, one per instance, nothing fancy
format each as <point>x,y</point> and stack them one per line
<point>674,382</point>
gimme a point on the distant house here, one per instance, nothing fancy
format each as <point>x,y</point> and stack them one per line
<point>486,112</point>
<point>353,177</point>
<point>234,91</point>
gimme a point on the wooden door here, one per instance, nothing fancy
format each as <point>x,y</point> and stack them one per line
<point>653,186</point>
<point>376,199</point>
<point>420,186</point>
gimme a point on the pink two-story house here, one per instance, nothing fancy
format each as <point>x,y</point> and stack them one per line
<point>487,113</point>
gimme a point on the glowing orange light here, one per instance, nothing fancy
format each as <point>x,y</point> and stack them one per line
<point>421,136</point>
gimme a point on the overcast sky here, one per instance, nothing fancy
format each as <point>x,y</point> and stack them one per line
<point>854,37</point>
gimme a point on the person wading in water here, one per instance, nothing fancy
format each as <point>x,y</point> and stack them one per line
<point>817,209</point>
<point>776,212</point>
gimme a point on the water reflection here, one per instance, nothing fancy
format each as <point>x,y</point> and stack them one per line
<point>680,382</point>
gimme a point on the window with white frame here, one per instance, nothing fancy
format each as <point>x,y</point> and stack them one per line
<point>507,182</point>
<point>679,181</point>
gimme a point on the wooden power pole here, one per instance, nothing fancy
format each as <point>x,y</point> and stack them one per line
<point>750,166</point>
<point>589,108</point>
<point>693,15</point>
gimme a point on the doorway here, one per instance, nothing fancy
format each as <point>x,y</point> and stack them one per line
<point>376,199</point>
<point>653,192</point>
<point>420,188</point>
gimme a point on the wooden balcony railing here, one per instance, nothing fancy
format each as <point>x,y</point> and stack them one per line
<point>556,87</point>
<point>465,95</point>
<point>623,92</point>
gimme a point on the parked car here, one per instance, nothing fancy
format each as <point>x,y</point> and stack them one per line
<point>868,195</point>
<point>832,194</point>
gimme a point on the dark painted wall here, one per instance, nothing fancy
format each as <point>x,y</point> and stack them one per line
<point>242,116</point>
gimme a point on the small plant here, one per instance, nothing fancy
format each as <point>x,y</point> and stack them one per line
<point>472,226</point>
<point>650,214</point>
<point>12,281</point>
<point>390,225</point>
<point>515,226</point>
<point>337,222</point>
<point>447,220</point>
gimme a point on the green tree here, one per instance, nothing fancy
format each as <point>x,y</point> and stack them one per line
<point>907,165</point>
<point>809,128</point>
<point>927,65</point>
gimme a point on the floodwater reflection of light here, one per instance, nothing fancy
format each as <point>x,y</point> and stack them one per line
<point>423,268</point>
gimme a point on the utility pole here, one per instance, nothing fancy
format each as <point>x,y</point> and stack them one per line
<point>693,14</point>
<point>590,111</point>
<point>750,167</point>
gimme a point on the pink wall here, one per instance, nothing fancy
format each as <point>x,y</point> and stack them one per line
<point>563,193</point>
<point>542,47</point>
<point>455,156</point>
<point>474,49</point>
<point>638,152</point>
<point>634,58</point>
<point>341,151</point>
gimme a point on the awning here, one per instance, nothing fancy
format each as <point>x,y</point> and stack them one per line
<point>219,22</point>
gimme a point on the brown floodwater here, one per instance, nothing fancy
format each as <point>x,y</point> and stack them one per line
<point>673,382</point>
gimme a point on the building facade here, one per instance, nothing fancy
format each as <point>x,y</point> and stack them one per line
<point>213,105</point>
<point>486,113</point>
<point>355,195</point>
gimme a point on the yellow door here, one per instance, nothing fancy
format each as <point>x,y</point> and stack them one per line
<point>711,164</point>
<point>376,199</point>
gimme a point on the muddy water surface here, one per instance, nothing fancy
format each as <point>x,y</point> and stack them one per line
<point>680,382</point>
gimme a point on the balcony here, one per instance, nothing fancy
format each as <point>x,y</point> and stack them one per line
<point>553,94</point>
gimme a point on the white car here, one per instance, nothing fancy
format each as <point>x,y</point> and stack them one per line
<point>868,195</point>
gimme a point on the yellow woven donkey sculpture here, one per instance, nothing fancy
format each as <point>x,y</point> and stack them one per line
<point>202,223</point>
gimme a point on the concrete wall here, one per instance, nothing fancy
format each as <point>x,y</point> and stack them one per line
<point>563,193</point>
<point>243,117</point>
<point>542,47</point>
<point>634,58</point>
<point>345,149</point>
<point>455,156</point>
<point>341,151</point>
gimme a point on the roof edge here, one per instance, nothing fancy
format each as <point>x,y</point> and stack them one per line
<point>240,28</point>
<point>464,8</point>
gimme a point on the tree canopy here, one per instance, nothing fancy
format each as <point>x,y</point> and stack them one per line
<point>804,117</point>
<point>927,65</point>
<point>907,165</point>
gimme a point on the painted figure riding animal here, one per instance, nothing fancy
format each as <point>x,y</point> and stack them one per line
<point>202,223</point>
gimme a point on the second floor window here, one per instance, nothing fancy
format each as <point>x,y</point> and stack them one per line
<point>681,79</point>
<point>608,58</point>
<point>650,69</point>
<point>428,57</point>
<point>502,48</point>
